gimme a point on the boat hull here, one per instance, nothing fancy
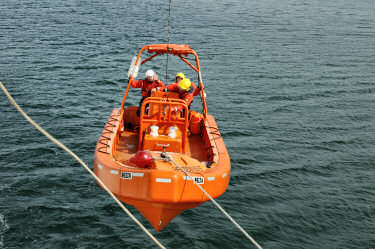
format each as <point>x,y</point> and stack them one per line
<point>160,195</point>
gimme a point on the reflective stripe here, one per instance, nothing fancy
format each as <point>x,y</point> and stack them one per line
<point>163,180</point>
<point>115,172</point>
<point>186,178</point>
<point>211,178</point>
<point>138,174</point>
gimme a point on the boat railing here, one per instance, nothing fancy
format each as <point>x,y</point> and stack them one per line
<point>179,50</point>
<point>161,113</point>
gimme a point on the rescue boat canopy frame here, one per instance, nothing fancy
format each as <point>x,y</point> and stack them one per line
<point>174,49</point>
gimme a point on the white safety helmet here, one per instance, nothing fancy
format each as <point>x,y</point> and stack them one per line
<point>149,73</point>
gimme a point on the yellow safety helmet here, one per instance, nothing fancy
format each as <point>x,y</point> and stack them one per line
<point>185,84</point>
<point>181,75</point>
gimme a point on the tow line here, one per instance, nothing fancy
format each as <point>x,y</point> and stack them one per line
<point>58,143</point>
<point>165,157</point>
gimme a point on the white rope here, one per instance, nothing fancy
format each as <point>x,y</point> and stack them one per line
<point>50,137</point>
<point>217,205</point>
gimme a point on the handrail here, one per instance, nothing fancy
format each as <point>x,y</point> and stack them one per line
<point>167,117</point>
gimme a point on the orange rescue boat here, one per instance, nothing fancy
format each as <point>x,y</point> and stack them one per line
<point>130,153</point>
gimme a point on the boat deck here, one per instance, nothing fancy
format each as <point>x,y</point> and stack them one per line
<point>128,146</point>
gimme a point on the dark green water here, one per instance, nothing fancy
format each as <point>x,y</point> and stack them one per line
<point>290,83</point>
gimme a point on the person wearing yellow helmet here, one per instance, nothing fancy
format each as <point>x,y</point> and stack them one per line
<point>179,77</point>
<point>186,89</point>
<point>184,85</point>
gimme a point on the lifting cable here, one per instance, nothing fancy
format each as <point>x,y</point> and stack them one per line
<point>169,31</point>
<point>170,159</point>
<point>57,142</point>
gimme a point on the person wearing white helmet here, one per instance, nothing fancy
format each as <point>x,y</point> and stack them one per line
<point>149,84</point>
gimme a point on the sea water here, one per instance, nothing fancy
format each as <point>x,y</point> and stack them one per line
<point>290,84</point>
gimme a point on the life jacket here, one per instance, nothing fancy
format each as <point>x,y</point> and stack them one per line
<point>146,88</point>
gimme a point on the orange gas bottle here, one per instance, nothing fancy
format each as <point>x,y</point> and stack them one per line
<point>195,123</point>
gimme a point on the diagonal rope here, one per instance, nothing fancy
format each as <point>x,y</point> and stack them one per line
<point>217,204</point>
<point>57,142</point>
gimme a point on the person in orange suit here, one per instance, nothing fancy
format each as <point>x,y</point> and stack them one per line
<point>148,85</point>
<point>186,89</point>
<point>179,77</point>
